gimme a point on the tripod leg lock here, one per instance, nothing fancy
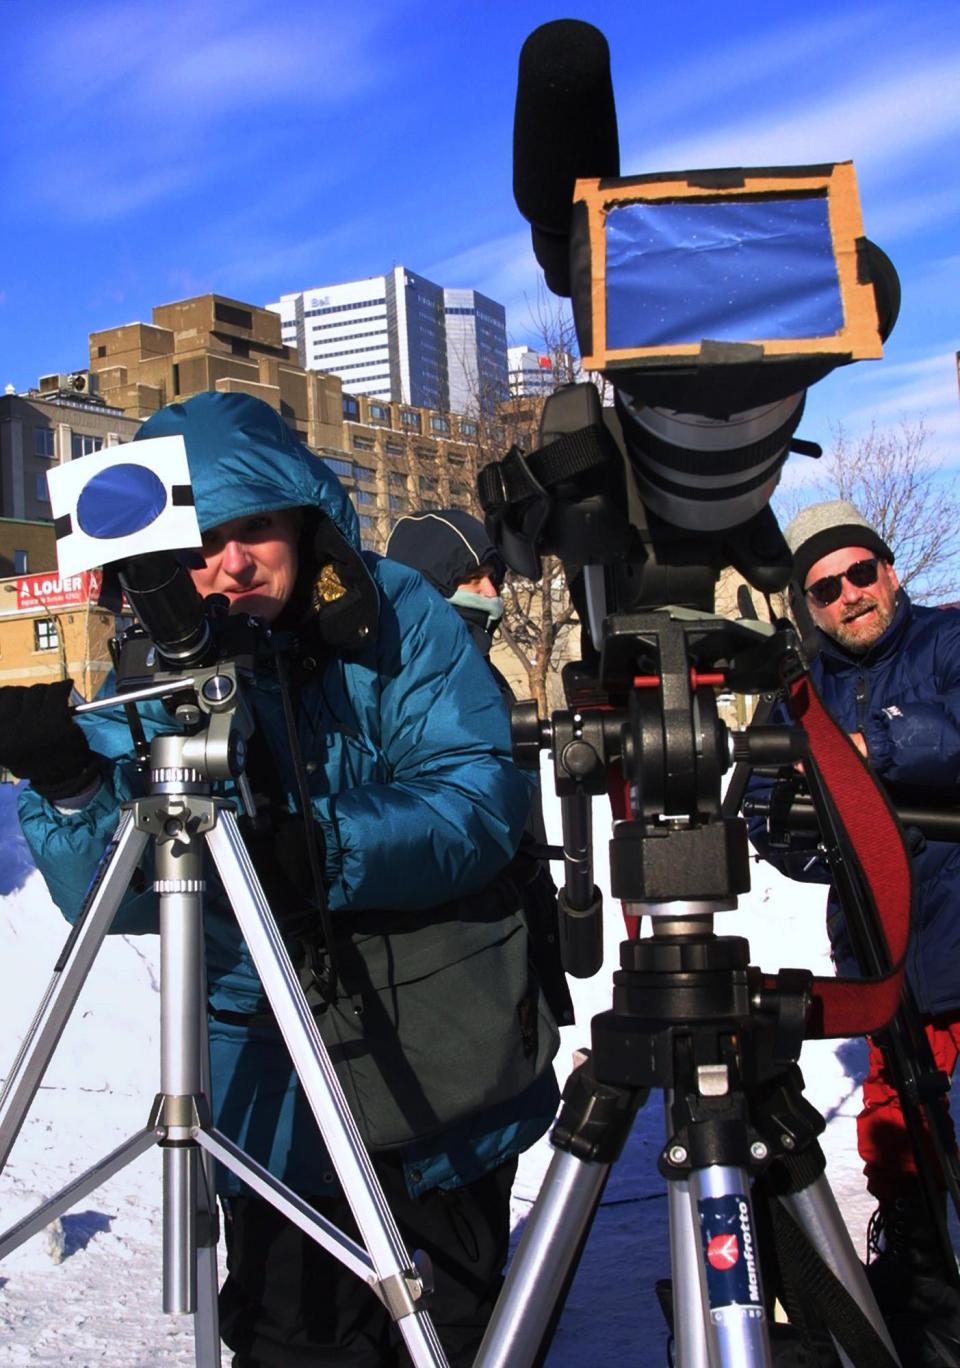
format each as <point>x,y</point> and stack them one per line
<point>595,1118</point>
<point>408,1291</point>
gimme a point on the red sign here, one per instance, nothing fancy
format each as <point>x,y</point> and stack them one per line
<point>57,591</point>
<point>545,363</point>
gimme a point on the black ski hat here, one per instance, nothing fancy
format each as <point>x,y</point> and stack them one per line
<point>446,545</point>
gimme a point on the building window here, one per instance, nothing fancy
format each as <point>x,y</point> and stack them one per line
<point>365,496</point>
<point>397,502</point>
<point>362,443</point>
<point>339,467</point>
<point>428,485</point>
<point>438,423</point>
<point>379,413</point>
<point>21,562</point>
<point>468,429</point>
<point>366,522</point>
<point>237,318</point>
<point>45,636</point>
<point>351,406</point>
<point>397,481</point>
<point>43,442</point>
<point>82,444</point>
<point>362,472</point>
<point>394,448</point>
<point>411,420</point>
<point>43,494</point>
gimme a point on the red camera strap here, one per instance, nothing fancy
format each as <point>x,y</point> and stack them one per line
<point>845,1006</point>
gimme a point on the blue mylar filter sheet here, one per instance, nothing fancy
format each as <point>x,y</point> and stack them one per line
<point>682,271</point>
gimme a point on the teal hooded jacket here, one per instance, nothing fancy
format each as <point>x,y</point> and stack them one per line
<point>406,747</point>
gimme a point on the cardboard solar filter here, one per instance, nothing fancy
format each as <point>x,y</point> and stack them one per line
<point>719,267</point>
<point>125,501</point>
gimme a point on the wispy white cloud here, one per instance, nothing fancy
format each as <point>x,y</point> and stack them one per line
<point>662,91</point>
<point>175,91</point>
<point>878,119</point>
<point>898,217</point>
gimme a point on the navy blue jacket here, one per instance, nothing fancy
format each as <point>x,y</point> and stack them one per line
<point>904,696</point>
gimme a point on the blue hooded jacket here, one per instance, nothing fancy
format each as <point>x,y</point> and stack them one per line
<point>407,749</point>
<point>903,694</point>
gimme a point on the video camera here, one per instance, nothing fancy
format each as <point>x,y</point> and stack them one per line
<point>709,300</point>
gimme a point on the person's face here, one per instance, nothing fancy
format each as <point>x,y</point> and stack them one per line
<point>481,582</point>
<point>858,616</point>
<point>253,561</point>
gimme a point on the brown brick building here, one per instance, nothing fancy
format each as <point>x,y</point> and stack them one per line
<point>214,343</point>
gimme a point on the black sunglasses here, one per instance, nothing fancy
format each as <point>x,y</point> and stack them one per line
<point>827,590</point>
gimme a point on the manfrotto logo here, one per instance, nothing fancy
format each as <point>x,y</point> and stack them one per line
<point>749,1256</point>
<point>723,1252</point>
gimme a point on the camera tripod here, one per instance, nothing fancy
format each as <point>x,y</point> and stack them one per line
<point>689,1017</point>
<point>181,818</point>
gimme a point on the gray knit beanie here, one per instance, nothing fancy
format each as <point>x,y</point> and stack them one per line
<point>826,527</point>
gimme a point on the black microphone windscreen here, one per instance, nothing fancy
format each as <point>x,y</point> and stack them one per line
<point>565,123</point>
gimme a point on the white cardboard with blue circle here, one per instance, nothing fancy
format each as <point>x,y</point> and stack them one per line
<point>125,501</point>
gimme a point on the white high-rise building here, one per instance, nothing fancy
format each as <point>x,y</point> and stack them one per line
<point>401,337</point>
<point>533,372</point>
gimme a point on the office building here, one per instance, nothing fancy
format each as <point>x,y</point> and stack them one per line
<point>401,338</point>
<point>532,372</point>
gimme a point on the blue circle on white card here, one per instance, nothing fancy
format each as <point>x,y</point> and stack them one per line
<point>120,500</point>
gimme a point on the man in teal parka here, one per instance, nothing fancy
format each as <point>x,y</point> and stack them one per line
<point>416,811</point>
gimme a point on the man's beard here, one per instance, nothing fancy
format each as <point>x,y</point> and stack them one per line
<point>859,642</point>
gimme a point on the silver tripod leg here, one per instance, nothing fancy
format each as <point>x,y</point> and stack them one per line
<point>562,1212</point>
<point>398,1282</point>
<point>206,1323</point>
<point>69,974</point>
<point>816,1212</point>
<point>687,1278</point>
<point>728,1313</point>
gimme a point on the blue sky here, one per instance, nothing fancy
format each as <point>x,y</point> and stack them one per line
<point>152,151</point>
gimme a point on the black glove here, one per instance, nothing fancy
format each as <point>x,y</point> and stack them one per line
<point>282,861</point>
<point>40,742</point>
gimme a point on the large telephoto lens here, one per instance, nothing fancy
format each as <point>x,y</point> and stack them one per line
<point>707,473</point>
<point>164,598</point>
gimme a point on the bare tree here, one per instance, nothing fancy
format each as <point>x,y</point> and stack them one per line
<point>897,484</point>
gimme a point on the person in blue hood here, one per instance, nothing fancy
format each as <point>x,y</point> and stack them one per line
<point>441,1034</point>
<point>889,673</point>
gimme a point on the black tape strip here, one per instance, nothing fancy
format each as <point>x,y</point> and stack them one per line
<point>62,526</point>
<point>864,273</point>
<point>181,496</point>
<point>713,179</point>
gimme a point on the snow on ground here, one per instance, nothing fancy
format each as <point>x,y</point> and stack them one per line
<point>89,1292</point>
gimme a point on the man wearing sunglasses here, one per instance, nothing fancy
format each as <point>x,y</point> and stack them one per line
<point>889,672</point>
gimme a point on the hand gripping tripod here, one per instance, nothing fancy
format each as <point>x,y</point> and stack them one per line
<point>181,818</point>
<point>689,1017</point>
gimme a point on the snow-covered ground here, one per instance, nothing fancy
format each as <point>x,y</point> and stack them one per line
<point>89,1292</point>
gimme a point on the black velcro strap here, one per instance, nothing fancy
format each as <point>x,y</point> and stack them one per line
<point>569,456</point>
<point>813,1291</point>
<point>62,526</point>
<point>181,496</point>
